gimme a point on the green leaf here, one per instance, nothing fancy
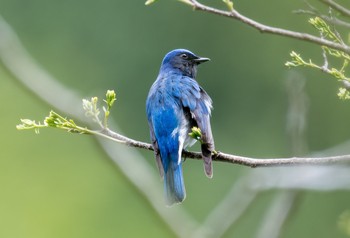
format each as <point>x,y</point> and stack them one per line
<point>229,4</point>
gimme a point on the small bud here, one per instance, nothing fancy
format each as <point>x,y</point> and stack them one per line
<point>90,107</point>
<point>28,122</point>
<point>290,64</point>
<point>229,4</point>
<point>94,100</point>
<point>343,94</point>
<point>196,133</point>
<point>110,97</point>
<point>149,2</point>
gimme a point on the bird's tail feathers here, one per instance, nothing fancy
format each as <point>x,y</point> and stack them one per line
<point>174,186</point>
<point>206,155</point>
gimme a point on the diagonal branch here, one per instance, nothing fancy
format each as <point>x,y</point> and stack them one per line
<point>234,14</point>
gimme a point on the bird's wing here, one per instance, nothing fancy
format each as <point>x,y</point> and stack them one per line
<point>199,104</point>
<point>156,151</point>
<point>149,101</point>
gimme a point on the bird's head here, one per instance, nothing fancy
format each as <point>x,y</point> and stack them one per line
<point>183,61</point>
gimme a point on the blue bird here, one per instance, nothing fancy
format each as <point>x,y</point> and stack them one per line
<point>174,105</point>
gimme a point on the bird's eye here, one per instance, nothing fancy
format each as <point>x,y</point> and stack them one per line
<point>184,56</point>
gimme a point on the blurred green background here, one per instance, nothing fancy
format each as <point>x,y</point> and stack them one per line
<point>57,184</point>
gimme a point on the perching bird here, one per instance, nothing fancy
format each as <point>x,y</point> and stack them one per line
<point>174,105</point>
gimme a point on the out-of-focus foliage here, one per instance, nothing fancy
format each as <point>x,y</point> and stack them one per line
<point>71,189</point>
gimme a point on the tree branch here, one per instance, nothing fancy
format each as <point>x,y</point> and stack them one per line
<point>236,159</point>
<point>234,14</point>
<point>55,120</point>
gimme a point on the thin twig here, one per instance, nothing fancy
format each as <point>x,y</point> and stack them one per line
<point>344,11</point>
<point>333,20</point>
<point>234,14</point>
<point>325,60</point>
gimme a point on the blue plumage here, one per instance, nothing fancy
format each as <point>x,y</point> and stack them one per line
<point>174,105</point>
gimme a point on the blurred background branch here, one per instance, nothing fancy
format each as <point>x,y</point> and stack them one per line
<point>34,77</point>
<point>341,9</point>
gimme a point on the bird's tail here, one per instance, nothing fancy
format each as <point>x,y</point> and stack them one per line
<point>206,155</point>
<point>174,185</point>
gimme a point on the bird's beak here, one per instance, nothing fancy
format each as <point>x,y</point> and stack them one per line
<point>201,60</point>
